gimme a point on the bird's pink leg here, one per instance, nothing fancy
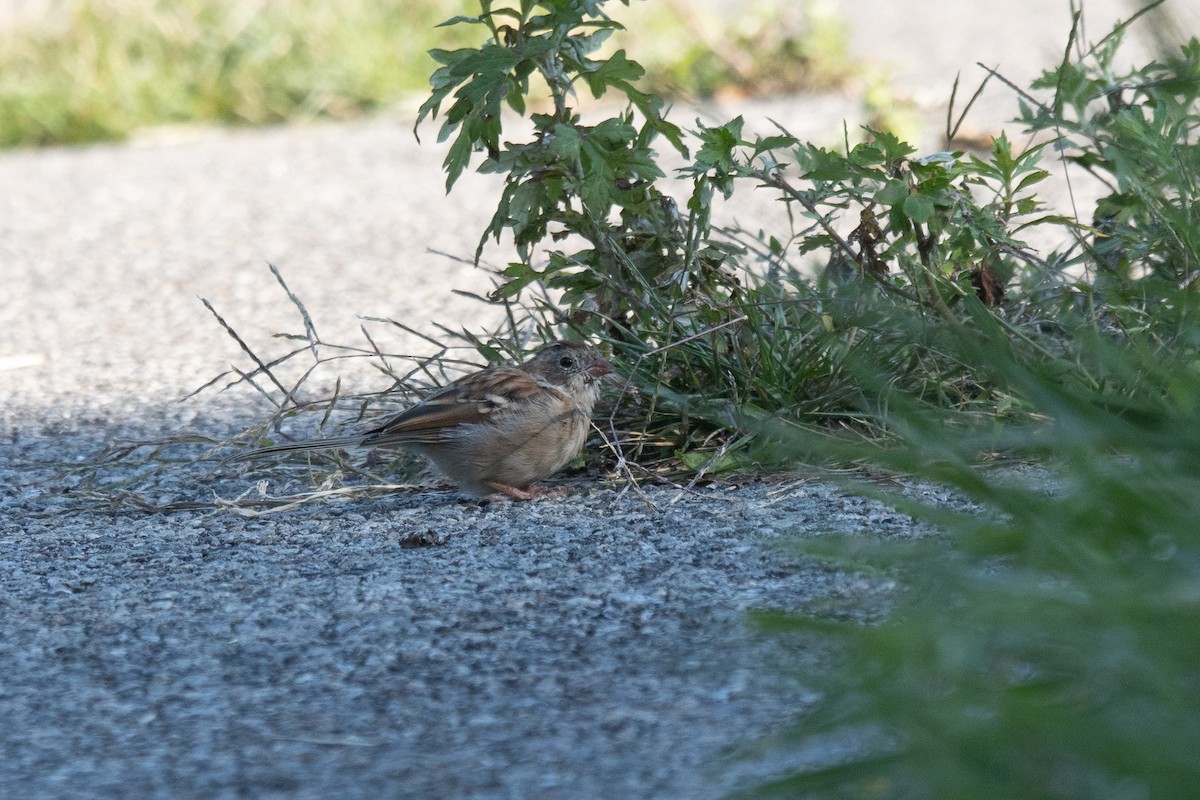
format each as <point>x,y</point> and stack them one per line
<point>525,492</point>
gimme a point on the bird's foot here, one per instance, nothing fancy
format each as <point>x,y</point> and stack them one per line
<point>527,492</point>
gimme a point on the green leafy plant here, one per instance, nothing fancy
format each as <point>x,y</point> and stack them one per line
<point>722,327</point>
<point>1135,133</point>
<point>733,338</point>
<point>571,175</point>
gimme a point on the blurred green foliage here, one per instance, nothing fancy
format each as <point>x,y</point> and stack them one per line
<point>98,69</point>
<point>1047,646</point>
<point>761,48</point>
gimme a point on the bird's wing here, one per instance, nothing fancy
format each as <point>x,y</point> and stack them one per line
<point>468,400</point>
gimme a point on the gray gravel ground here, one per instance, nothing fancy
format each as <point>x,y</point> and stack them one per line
<point>592,646</point>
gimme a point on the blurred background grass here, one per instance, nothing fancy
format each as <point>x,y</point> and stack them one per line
<point>87,70</point>
<point>76,71</point>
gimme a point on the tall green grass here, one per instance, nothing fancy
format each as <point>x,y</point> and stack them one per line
<point>1049,645</point>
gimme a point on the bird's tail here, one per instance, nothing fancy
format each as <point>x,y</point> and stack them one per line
<point>295,447</point>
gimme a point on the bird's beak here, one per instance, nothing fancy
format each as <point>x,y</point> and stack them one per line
<point>599,368</point>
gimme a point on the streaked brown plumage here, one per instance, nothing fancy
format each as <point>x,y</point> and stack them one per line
<point>501,429</point>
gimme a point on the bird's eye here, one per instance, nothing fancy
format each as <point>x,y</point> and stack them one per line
<point>566,362</point>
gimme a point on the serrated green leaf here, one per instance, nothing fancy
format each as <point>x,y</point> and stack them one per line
<point>1037,176</point>
<point>892,193</point>
<point>823,165</point>
<point>520,275</point>
<point>918,208</point>
<point>616,69</point>
<point>457,158</point>
<point>564,142</point>
<point>460,19</point>
<point>717,144</point>
<point>1027,205</point>
<point>867,154</point>
<point>765,143</point>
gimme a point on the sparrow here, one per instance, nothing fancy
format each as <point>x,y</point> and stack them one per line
<point>499,430</point>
